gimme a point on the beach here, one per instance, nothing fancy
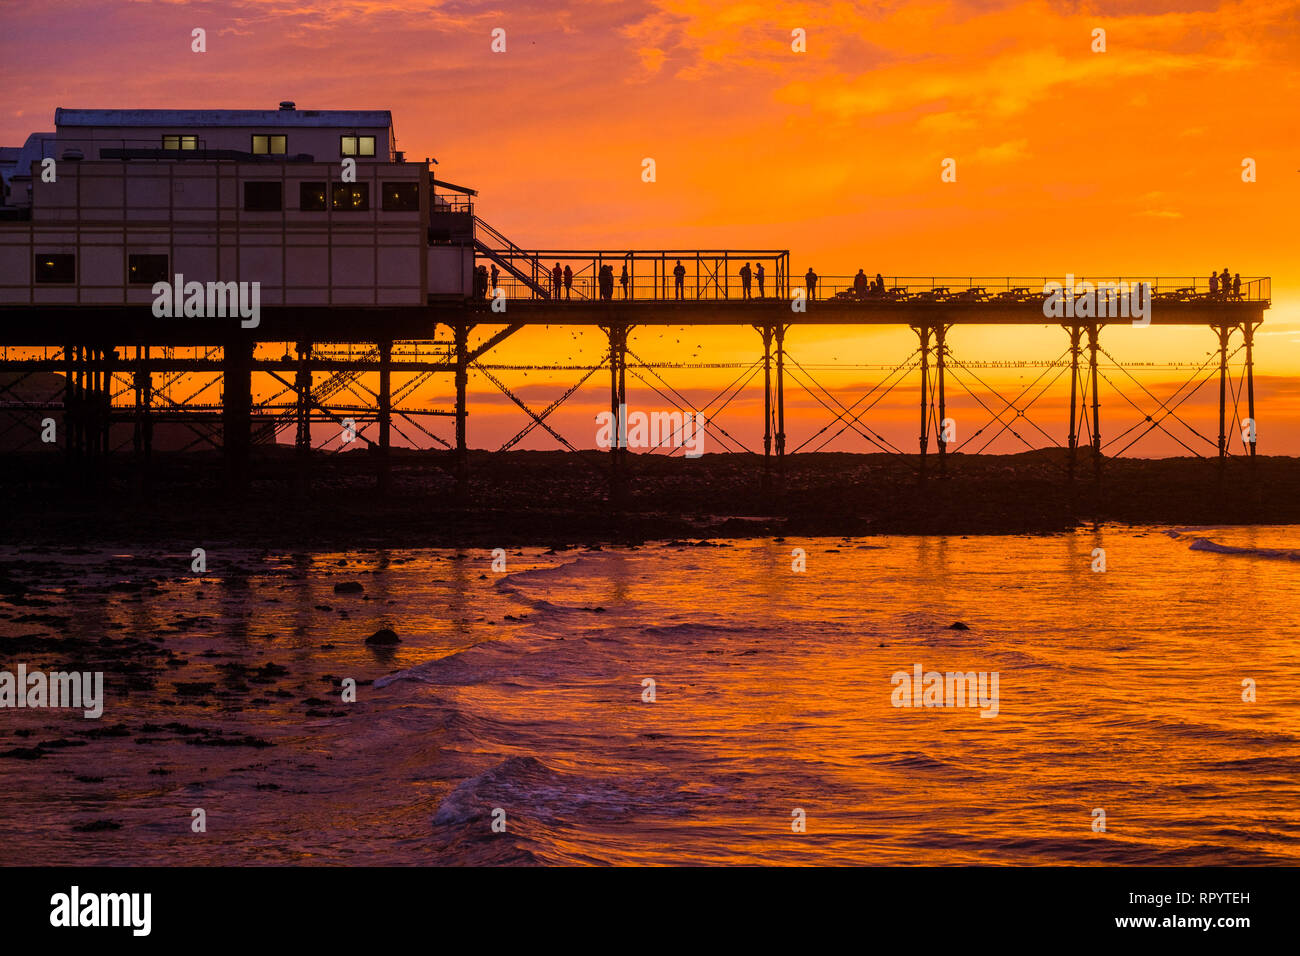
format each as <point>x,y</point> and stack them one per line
<point>522,690</point>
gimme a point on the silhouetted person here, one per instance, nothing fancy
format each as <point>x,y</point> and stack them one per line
<point>496,274</point>
<point>1214,283</point>
<point>1236,286</point>
<point>880,283</point>
<point>860,284</point>
<point>607,280</point>
<point>679,274</point>
<point>623,280</point>
<point>810,280</point>
<point>557,279</point>
<point>759,274</point>
<point>1225,282</point>
<point>568,282</point>
<point>745,275</point>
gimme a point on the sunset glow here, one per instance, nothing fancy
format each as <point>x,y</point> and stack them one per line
<point>1122,162</point>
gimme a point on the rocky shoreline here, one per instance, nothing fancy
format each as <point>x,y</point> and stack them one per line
<point>559,499</point>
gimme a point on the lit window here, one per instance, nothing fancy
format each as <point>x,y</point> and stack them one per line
<point>146,269</point>
<point>272,145</point>
<point>178,141</point>
<point>56,267</point>
<point>311,197</point>
<point>401,197</point>
<point>351,197</point>
<point>357,145</point>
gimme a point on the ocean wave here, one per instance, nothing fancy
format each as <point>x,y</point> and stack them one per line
<point>581,563</point>
<point>918,761</point>
<point>536,795</point>
<point>473,665</point>
<point>501,783</point>
<point>698,629</point>
<point>1196,731</point>
<point>1274,554</point>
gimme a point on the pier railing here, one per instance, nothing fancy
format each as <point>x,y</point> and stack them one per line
<point>660,284</point>
<point>1028,288</point>
<point>707,274</point>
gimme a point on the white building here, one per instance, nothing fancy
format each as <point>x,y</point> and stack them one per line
<point>116,200</point>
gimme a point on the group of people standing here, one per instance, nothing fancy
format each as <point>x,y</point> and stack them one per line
<point>562,279</point>
<point>606,282</point>
<point>1225,284</point>
<point>747,276</point>
<point>863,287</point>
<point>483,283</point>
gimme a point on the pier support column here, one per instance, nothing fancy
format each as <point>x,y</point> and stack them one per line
<point>237,411</point>
<point>767,333</point>
<point>618,407</point>
<point>94,410</point>
<point>460,333</point>
<point>385,415</point>
<point>142,384</point>
<point>940,356</point>
<point>1224,332</point>
<point>780,331</point>
<point>1093,332</point>
<point>70,413</point>
<point>108,363</point>
<point>302,383</point>
<point>1248,333</point>
<point>302,386</point>
<point>90,407</point>
<point>923,333</point>
<point>1076,335</point>
<point>142,436</point>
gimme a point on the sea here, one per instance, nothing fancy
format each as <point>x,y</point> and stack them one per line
<point>726,701</point>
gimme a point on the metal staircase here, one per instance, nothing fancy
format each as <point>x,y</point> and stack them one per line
<point>524,266</point>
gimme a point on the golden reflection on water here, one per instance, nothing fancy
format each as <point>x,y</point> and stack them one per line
<point>1119,691</point>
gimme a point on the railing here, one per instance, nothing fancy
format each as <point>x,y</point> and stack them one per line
<point>451,203</point>
<point>523,270</point>
<point>1004,289</point>
<point>1028,289</point>
<point>650,274</point>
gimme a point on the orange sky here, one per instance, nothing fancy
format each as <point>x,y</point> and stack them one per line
<point>1127,161</point>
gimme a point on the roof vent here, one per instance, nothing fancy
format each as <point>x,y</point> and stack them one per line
<point>287,105</point>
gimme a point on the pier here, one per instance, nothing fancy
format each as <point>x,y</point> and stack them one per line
<point>115,358</point>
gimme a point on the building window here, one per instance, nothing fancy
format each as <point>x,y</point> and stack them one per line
<point>263,197</point>
<point>357,146</point>
<point>351,197</point>
<point>270,145</point>
<point>311,197</point>
<point>401,197</point>
<point>178,141</point>
<point>146,269</point>
<point>56,267</point>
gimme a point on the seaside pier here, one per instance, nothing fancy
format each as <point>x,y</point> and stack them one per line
<point>116,362</point>
<point>366,268</point>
